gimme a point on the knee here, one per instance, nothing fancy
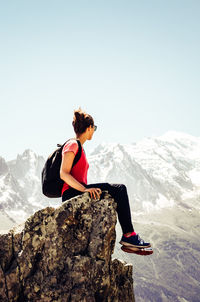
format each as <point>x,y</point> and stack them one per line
<point>115,189</point>
<point>123,188</point>
<point>118,187</point>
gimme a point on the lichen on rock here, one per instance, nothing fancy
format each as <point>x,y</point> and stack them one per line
<point>64,254</point>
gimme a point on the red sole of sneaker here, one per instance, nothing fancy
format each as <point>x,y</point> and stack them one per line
<point>142,252</point>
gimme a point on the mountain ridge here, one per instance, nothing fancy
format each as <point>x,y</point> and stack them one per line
<point>162,175</point>
<point>156,170</point>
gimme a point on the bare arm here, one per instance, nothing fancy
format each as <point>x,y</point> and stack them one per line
<point>65,169</point>
<point>66,166</point>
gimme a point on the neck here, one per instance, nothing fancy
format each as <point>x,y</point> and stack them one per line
<point>81,138</point>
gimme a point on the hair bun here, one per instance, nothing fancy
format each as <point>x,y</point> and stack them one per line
<point>81,121</point>
<point>76,113</point>
<point>79,114</point>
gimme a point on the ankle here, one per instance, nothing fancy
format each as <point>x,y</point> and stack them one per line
<point>130,234</point>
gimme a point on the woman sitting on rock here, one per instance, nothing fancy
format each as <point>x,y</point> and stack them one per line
<point>75,179</point>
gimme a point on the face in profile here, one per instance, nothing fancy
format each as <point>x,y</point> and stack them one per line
<point>91,130</point>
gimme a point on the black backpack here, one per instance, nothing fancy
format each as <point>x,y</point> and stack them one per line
<point>51,182</point>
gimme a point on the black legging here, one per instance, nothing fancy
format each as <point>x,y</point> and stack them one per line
<point>119,193</point>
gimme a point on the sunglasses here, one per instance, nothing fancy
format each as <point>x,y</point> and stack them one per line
<point>95,127</point>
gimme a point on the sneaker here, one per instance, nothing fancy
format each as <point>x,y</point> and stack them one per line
<point>134,241</point>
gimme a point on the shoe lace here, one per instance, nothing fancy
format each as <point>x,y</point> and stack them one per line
<point>140,239</point>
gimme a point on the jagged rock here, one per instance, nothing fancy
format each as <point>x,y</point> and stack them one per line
<point>3,166</point>
<point>64,254</point>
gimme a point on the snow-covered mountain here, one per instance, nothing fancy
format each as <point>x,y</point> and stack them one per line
<point>20,188</point>
<point>162,175</point>
<point>158,171</point>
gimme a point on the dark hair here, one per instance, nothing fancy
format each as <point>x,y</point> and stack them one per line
<point>81,121</point>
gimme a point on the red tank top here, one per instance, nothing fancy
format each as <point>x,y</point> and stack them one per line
<point>79,171</point>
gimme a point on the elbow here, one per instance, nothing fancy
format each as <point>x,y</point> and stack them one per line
<point>61,174</point>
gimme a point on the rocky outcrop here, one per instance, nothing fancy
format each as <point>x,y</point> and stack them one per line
<point>64,254</point>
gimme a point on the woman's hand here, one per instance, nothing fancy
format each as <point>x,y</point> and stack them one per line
<point>94,192</point>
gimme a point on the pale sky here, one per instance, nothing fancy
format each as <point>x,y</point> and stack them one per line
<point>133,65</point>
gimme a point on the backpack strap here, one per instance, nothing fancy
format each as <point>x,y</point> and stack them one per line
<point>78,154</point>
